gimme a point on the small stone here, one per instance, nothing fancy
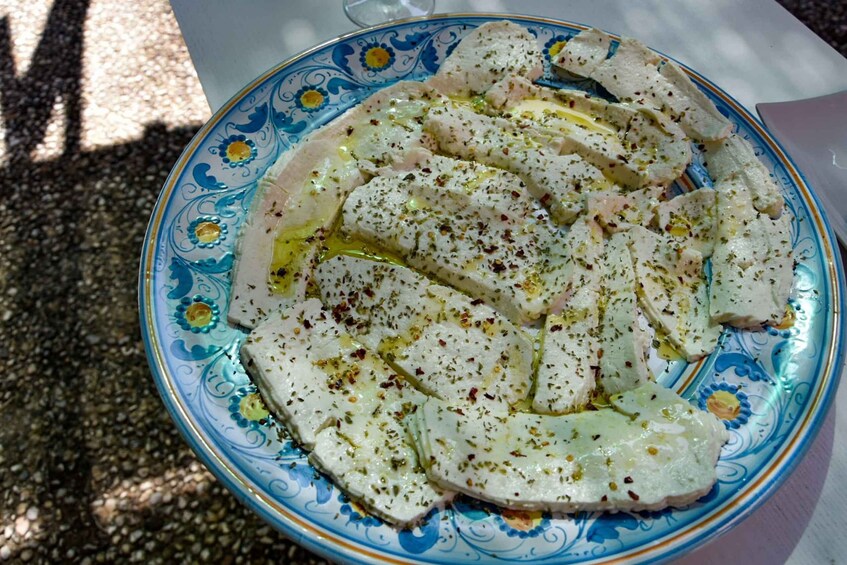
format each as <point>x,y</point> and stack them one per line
<point>26,555</point>
<point>32,513</point>
<point>5,552</point>
<point>21,526</point>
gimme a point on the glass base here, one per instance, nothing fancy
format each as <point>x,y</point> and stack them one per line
<point>372,12</point>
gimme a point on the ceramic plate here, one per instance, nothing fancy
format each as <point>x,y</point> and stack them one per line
<point>771,387</point>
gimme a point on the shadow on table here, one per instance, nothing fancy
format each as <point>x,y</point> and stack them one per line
<point>773,531</point>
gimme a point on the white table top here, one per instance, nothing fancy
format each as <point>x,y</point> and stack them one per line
<point>753,49</point>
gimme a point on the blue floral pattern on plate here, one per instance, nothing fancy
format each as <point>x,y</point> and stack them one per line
<point>771,386</point>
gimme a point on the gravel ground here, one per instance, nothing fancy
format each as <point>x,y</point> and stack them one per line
<point>95,110</point>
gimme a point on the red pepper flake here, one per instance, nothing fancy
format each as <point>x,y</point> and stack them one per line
<point>442,343</point>
<point>307,324</point>
<point>627,480</point>
<point>556,328</point>
<point>497,266</point>
<point>476,301</point>
<point>471,456</point>
<point>472,394</point>
<point>360,353</point>
<point>419,371</point>
<point>516,453</point>
<point>515,194</point>
<point>632,495</point>
<point>504,217</point>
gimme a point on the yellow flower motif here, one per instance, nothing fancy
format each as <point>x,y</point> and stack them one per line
<point>207,232</point>
<point>377,58</point>
<point>198,315</point>
<point>238,151</point>
<point>311,99</point>
<point>252,407</point>
<point>521,520</point>
<point>556,48</point>
<point>724,405</point>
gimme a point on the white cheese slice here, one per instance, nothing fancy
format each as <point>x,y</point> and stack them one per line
<point>584,52</point>
<point>735,156</point>
<point>300,196</point>
<point>450,345</point>
<point>390,122</point>
<point>277,243</point>
<point>649,450</point>
<point>628,143</point>
<point>690,220</point>
<point>486,55</point>
<point>619,212</point>
<point>345,405</point>
<point>633,74</point>
<point>673,292</point>
<point>623,343</point>
<point>312,373</point>
<point>698,116</point>
<point>381,470</point>
<point>558,181</point>
<point>752,265</point>
<point>472,226</point>
<point>565,377</point>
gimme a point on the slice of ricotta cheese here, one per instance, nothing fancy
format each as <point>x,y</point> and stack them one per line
<point>689,219</point>
<point>628,143</point>
<point>584,52</point>
<point>649,450</point>
<point>486,55</point>
<point>623,342</point>
<point>635,73</point>
<point>472,226</point>
<point>292,208</point>
<point>345,405</point>
<point>734,156</point>
<point>448,344</point>
<point>619,212</point>
<point>558,181</point>
<point>673,292</point>
<point>566,372</point>
<point>752,265</point>
<point>300,196</point>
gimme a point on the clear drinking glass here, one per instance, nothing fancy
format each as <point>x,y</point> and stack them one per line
<point>371,12</point>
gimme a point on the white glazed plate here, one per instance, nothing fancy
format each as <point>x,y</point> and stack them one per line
<point>771,387</point>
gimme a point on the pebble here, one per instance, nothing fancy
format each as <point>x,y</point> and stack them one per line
<point>21,526</point>
<point>5,552</point>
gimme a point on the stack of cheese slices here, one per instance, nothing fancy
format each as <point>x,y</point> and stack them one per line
<point>447,284</point>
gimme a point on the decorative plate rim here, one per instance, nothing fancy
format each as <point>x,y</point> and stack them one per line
<point>316,538</point>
